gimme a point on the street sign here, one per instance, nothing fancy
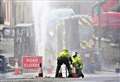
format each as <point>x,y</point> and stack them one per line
<point>31,62</point>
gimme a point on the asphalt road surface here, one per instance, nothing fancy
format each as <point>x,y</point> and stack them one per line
<point>88,78</point>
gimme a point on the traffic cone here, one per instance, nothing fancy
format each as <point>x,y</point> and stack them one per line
<point>60,73</point>
<point>17,69</point>
<point>40,71</point>
<point>74,72</point>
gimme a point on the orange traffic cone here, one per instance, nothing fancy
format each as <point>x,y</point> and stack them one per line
<point>17,69</point>
<point>40,71</point>
<point>74,72</point>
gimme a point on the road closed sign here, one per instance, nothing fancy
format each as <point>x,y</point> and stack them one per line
<point>31,62</point>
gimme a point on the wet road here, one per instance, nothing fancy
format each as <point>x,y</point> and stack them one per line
<point>111,78</point>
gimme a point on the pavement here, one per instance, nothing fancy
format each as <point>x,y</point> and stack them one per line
<point>12,75</point>
<point>101,76</point>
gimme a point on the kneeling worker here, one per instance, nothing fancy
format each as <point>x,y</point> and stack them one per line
<point>78,64</point>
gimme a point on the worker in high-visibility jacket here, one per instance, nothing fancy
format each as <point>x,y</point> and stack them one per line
<point>63,58</point>
<point>77,62</point>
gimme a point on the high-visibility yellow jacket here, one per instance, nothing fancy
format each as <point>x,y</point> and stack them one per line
<point>63,54</point>
<point>77,61</point>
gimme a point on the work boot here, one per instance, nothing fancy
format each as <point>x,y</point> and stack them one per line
<point>81,75</point>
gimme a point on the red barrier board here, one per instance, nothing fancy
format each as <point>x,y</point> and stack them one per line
<point>31,62</point>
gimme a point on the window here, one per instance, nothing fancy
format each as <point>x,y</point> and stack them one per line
<point>1,13</point>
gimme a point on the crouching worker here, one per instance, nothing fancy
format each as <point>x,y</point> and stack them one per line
<point>63,58</point>
<point>78,64</point>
